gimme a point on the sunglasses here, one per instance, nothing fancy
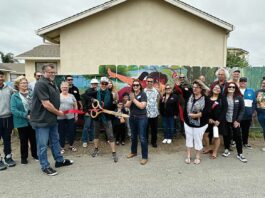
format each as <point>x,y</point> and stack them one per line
<point>104,83</point>
<point>167,88</point>
<point>150,81</point>
<point>181,77</point>
<point>69,79</point>
<point>231,87</point>
<point>136,85</point>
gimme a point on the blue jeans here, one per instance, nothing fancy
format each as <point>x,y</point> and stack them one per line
<point>138,126</point>
<point>261,119</point>
<point>43,135</point>
<point>168,126</point>
<point>88,129</point>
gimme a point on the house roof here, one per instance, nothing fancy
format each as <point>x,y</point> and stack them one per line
<point>41,52</point>
<point>54,29</point>
<point>237,49</point>
<point>17,68</point>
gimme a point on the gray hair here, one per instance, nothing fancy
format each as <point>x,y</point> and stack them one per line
<point>225,71</point>
<point>45,66</point>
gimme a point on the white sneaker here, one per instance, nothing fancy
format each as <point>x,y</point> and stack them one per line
<point>226,153</point>
<point>84,144</point>
<point>164,141</point>
<point>242,158</point>
<point>263,149</point>
<point>169,141</point>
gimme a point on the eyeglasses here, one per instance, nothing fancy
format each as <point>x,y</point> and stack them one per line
<point>231,87</point>
<point>69,79</point>
<point>181,77</point>
<point>136,85</point>
<point>104,83</point>
<point>167,88</point>
<point>150,81</point>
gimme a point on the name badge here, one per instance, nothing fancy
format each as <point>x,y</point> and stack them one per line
<point>236,101</point>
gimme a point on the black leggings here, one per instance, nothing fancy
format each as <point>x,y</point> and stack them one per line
<point>245,125</point>
<point>229,128</point>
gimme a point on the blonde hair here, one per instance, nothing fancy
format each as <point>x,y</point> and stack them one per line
<point>18,80</point>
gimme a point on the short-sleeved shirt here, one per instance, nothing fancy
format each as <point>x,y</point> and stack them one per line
<point>75,91</point>
<point>44,90</point>
<point>134,110</point>
<point>67,103</point>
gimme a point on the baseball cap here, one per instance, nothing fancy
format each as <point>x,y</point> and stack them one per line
<point>104,79</point>
<point>235,69</point>
<point>94,81</point>
<point>243,79</point>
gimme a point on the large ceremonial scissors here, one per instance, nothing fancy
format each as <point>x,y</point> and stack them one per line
<point>98,109</point>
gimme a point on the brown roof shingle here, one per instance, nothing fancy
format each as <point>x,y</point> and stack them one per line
<point>42,51</point>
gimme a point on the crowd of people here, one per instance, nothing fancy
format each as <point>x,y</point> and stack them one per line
<point>46,115</point>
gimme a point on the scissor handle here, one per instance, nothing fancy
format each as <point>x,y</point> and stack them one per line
<point>94,113</point>
<point>95,104</point>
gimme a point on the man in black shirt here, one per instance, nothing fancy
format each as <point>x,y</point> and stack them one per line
<point>43,117</point>
<point>74,90</point>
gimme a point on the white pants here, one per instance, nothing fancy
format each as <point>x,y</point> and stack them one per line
<point>194,135</point>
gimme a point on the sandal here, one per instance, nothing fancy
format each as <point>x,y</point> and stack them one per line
<point>213,157</point>
<point>197,161</point>
<point>187,160</point>
<point>72,148</point>
<point>207,152</point>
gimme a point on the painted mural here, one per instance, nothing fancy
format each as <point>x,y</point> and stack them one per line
<point>122,75</point>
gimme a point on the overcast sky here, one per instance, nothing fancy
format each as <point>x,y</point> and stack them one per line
<point>19,20</point>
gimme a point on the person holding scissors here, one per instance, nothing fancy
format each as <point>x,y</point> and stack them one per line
<point>105,99</point>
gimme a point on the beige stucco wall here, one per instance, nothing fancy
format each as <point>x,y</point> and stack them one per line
<point>141,32</point>
<point>30,68</point>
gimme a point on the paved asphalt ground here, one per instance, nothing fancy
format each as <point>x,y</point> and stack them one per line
<point>165,175</point>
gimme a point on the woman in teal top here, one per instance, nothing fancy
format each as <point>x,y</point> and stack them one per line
<point>20,108</point>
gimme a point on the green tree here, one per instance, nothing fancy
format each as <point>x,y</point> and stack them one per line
<point>236,60</point>
<point>8,58</point>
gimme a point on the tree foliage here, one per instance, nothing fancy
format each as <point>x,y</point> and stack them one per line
<point>8,58</point>
<point>236,60</point>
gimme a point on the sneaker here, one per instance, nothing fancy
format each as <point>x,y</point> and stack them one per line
<point>143,161</point>
<point>65,162</point>
<point>9,161</point>
<point>247,146</point>
<point>24,161</point>
<point>3,166</point>
<point>122,143</point>
<point>169,141</point>
<point>84,145</point>
<point>36,158</point>
<point>117,142</point>
<point>263,149</point>
<point>242,158</point>
<point>226,153</point>
<point>164,141</point>
<point>50,171</point>
<point>115,157</point>
<point>95,152</point>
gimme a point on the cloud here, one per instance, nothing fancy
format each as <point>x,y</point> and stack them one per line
<point>19,20</point>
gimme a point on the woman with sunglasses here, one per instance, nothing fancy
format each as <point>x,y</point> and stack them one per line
<point>168,107</point>
<point>234,115</point>
<point>138,120</point>
<point>218,105</point>
<point>196,116</point>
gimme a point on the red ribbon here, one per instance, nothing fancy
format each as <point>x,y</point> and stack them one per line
<point>73,111</point>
